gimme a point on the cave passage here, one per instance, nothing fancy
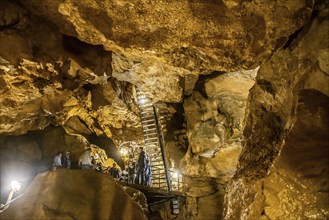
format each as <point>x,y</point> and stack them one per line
<point>301,172</point>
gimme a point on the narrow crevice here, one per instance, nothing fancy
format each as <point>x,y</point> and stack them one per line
<point>9,26</point>
<point>292,38</point>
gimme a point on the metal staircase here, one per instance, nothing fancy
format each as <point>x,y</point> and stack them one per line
<point>154,142</point>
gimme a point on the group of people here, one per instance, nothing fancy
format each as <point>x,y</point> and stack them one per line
<point>86,161</point>
<point>61,161</point>
<point>136,172</point>
<point>140,172</point>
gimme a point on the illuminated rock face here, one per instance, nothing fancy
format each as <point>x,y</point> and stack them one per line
<point>73,65</point>
<point>162,42</point>
<point>49,78</point>
<point>297,184</point>
<point>283,168</point>
<point>215,124</point>
<point>55,195</point>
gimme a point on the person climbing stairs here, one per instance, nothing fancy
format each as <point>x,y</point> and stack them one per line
<point>154,142</point>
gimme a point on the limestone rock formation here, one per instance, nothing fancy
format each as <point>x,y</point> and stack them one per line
<point>138,197</point>
<point>50,78</point>
<point>55,195</point>
<point>215,123</point>
<point>163,41</point>
<point>288,114</point>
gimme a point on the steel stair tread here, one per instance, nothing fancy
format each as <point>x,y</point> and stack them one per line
<point>151,139</point>
<point>150,120</point>
<point>151,129</point>
<point>147,126</point>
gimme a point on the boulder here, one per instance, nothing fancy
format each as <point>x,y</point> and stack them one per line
<point>74,194</point>
<point>137,196</point>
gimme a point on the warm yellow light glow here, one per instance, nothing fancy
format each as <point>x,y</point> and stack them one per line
<point>124,152</point>
<point>142,101</point>
<point>175,174</point>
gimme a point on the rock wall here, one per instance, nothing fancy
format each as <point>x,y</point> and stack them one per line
<point>287,113</point>
<point>297,185</point>
<point>215,121</point>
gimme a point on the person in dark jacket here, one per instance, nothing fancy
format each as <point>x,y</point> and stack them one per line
<point>147,173</point>
<point>141,167</point>
<point>66,161</point>
<point>114,171</point>
<point>131,171</point>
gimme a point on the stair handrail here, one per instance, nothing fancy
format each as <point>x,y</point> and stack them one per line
<point>162,144</point>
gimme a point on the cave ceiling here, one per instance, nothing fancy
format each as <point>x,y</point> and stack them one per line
<point>73,62</point>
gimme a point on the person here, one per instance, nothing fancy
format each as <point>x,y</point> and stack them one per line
<point>96,163</point>
<point>57,162</point>
<point>114,172</point>
<point>124,176</point>
<point>85,160</point>
<point>147,173</point>
<point>141,166</point>
<point>131,171</point>
<point>66,161</point>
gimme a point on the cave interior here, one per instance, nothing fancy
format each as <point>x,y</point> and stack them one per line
<point>228,98</point>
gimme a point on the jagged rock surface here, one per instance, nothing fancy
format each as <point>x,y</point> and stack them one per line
<point>164,41</point>
<point>138,197</point>
<point>49,78</point>
<point>287,115</point>
<point>55,195</point>
<point>215,121</point>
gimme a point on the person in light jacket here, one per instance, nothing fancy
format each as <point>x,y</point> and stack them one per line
<point>57,162</point>
<point>85,160</point>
